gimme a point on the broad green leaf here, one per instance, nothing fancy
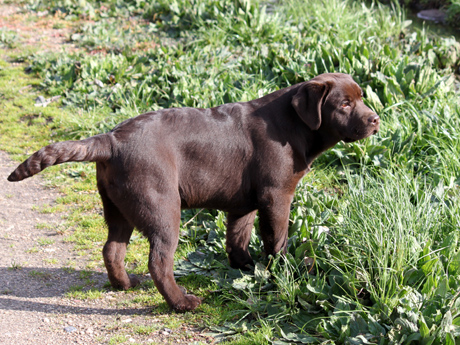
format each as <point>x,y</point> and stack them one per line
<point>450,339</point>
<point>407,325</point>
<point>413,337</point>
<point>454,266</point>
<point>428,340</point>
<point>358,326</point>
<point>301,338</point>
<point>446,325</point>
<point>443,287</point>
<point>373,99</point>
<point>305,249</point>
<point>376,328</point>
<point>429,265</point>
<point>424,330</point>
<point>361,339</point>
<point>243,283</point>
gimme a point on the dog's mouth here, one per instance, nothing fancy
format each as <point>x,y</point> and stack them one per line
<point>358,135</point>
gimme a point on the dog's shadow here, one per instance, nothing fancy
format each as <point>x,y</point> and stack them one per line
<point>50,290</point>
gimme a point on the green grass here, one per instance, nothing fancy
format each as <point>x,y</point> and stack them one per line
<point>77,292</point>
<point>33,250</point>
<point>118,339</point>
<point>51,261</point>
<point>45,241</point>
<point>15,266</point>
<point>40,275</point>
<point>374,247</point>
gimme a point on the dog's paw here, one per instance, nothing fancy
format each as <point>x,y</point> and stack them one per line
<point>242,262</point>
<point>133,280</point>
<point>188,303</point>
<point>125,284</point>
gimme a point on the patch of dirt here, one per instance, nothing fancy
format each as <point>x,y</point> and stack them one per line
<point>35,30</point>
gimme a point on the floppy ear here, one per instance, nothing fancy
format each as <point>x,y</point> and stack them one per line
<point>307,102</point>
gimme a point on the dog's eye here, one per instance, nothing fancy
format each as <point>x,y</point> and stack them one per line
<point>345,104</point>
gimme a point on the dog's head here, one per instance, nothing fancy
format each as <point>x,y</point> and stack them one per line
<point>332,103</point>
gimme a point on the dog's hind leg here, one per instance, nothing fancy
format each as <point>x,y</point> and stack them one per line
<point>238,235</point>
<point>161,226</point>
<point>114,251</point>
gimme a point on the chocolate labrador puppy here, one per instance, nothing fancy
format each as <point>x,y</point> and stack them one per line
<point>239,157</point>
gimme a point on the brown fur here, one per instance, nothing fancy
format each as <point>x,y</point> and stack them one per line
<point>238,157</point>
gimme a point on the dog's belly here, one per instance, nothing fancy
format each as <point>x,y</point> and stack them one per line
<point>218,192</point>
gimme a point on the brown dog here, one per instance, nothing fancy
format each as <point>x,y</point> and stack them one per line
<point>238,157</point>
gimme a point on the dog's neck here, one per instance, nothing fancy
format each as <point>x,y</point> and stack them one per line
<point>304,149</point>
<point>314,148</point>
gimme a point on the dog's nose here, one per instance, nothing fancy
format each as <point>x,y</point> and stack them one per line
<point>374,120</point>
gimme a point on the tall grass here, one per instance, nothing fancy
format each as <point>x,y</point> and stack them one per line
<point>391,222</point>
<point>343,21</point>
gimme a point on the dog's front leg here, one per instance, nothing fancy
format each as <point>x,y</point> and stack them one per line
<point>274,220</point>
<point>239,229</point>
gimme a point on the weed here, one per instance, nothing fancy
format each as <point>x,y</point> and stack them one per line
<point>51,261</point>
<point>85,274</point>
<point>33,250</point>
<point>69,268</point>
<point>142,329</point>
<point>45,241</point>
<point>43,226</point>
<point>74,288</point>
<point>118,339</point>
<point>77,292</point>
<point>8,39</point>
<point>40,275</point>
<point>15,266</point>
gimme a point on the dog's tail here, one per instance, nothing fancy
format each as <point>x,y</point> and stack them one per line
<point>94,149</point>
